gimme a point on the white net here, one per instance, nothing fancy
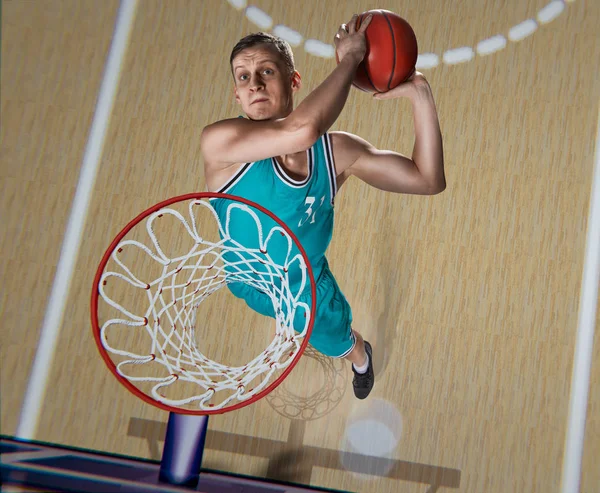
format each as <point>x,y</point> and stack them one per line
<point>153,334</point>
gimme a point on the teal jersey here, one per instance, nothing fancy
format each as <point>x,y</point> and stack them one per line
<point>305,206</point>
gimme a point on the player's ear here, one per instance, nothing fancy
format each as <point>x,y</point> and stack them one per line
<point>296,81</point>
<point>236,95</point>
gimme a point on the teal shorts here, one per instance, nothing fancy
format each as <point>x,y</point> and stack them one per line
<point>332,330</point>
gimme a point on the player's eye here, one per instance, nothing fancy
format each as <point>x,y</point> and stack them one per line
<point>268,71</point>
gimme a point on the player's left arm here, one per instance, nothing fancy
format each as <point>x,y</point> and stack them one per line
<point>422,173</point>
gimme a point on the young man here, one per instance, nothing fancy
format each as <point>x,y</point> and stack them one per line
<point>286,160</point>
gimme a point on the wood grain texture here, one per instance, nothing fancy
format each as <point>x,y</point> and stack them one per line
<point>53,55</point>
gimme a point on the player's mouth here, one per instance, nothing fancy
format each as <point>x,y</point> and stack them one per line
<point>259,100</point>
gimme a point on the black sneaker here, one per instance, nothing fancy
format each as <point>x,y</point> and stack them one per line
<point>363,383</point>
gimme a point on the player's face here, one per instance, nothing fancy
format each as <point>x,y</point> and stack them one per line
<point>263,85</point>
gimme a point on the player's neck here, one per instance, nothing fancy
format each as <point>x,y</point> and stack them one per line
<point>293,159</point>
<point>295,165</point>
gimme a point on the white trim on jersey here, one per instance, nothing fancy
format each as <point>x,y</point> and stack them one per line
<point>235,178</point>
<point>288,180</point>
<point>330,166</point>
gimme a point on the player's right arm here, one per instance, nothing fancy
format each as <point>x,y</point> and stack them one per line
<point>240,140</point>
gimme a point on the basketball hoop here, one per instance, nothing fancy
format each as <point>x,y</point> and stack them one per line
<point>149,338</point>
<point>160,334</point>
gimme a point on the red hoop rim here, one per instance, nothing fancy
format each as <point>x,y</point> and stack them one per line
<point>95,294</point>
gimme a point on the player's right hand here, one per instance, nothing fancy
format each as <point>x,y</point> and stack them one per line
<point>350,41</point>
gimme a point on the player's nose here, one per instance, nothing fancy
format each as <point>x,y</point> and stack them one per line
<point>256,82</point>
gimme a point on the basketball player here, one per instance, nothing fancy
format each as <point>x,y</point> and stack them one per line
<point>286,160</point>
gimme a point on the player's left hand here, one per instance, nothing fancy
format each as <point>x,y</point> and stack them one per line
<point>410,88</point>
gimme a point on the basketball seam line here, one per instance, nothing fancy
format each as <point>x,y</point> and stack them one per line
<point>362,64</point>
<point>393,46</point>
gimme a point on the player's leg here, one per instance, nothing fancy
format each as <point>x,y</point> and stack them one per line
<point>333,335</point>
<point>358,355</point>
<point>361,357</point>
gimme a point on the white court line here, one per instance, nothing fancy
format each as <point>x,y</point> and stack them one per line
<point>425,60</point>
<point>42,364</point>
<point>580,380</point>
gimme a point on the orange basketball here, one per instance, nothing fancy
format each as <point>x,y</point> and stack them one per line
<point>391,55</point>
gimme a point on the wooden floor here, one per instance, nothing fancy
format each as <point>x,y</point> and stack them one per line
<point>470,298</point>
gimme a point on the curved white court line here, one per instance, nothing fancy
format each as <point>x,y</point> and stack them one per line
<point>42,365</point>
<point>522,30</point>
<point>452,56</point>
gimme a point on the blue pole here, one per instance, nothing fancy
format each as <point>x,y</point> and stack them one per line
<point>182,453</point>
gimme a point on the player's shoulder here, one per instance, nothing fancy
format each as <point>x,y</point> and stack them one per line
<point>346,148</point>
<point>213,134</point>
<point>347,139</point>
<point>219,126</point>
<point>216,172</point>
